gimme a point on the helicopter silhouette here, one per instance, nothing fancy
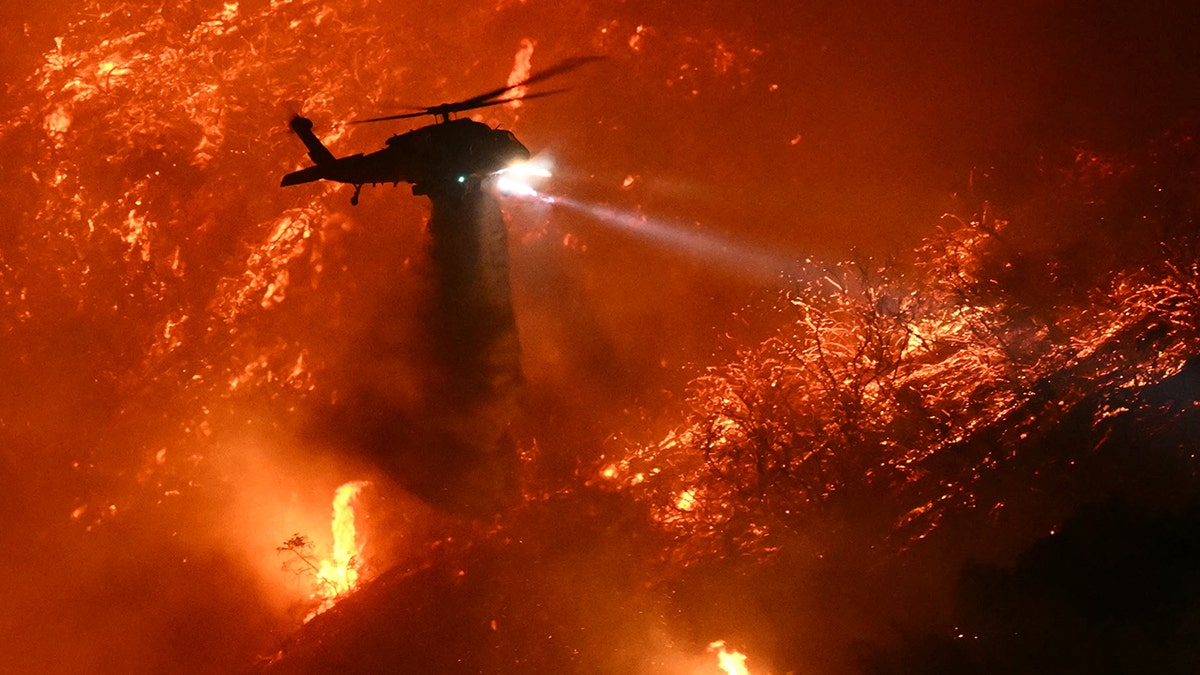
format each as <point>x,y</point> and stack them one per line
<point>448,157</point>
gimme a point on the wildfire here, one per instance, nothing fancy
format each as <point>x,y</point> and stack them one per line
<point>338,574</point>
<point>730,662</point>
<point>520,72</point>
<point>686,500</point>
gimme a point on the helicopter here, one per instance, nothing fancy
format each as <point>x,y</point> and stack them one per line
<point>447,157</point>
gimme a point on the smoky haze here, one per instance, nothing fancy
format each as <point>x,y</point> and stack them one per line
<point>176,328</point>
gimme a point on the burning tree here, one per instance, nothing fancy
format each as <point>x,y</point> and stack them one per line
<point>337,575</point>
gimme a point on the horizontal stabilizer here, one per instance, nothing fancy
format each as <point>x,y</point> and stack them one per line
<point>308,175</point>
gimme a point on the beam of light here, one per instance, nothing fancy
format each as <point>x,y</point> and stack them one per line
<point>720,252</point>
<point>520,180</point>
<point>515,187</point>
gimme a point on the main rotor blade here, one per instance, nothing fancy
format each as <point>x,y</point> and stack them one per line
<point>510,99</point>
<point>401,116</point>
<point>458,107</point>
<point>557,69</point>
<point>489,98</point>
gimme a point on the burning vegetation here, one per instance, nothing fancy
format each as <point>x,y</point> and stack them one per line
<point>880,376</point>
<point>900,421</point>
<point>337,575</point>
<point>880,474</point>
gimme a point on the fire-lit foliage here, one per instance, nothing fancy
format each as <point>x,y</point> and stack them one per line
<point>896,410</point>
<point>156,289</point>
<point>175,329</point>
<point>898,389</point>
<point>134,223</point>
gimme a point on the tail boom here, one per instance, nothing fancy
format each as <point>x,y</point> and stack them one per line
<point>316,150</point>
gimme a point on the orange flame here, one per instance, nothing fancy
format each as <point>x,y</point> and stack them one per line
<point>686,501</point>
<point>731,662</point>
<point>520,72</point>
<point>339,574</point>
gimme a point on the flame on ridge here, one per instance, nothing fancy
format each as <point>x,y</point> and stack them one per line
<point>730,662</point>
<point>338,574</point>
<point>522,64</point>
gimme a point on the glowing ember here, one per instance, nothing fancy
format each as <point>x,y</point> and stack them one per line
<point>731,662</point>
<point>686,500</point>
<point>339,574</point>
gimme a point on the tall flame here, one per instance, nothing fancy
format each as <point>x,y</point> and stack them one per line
<point>520,72</point>
<point>339,574</point>
<point>731,662</point>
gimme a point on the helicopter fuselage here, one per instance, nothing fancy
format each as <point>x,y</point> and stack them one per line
<point>448,156</point>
